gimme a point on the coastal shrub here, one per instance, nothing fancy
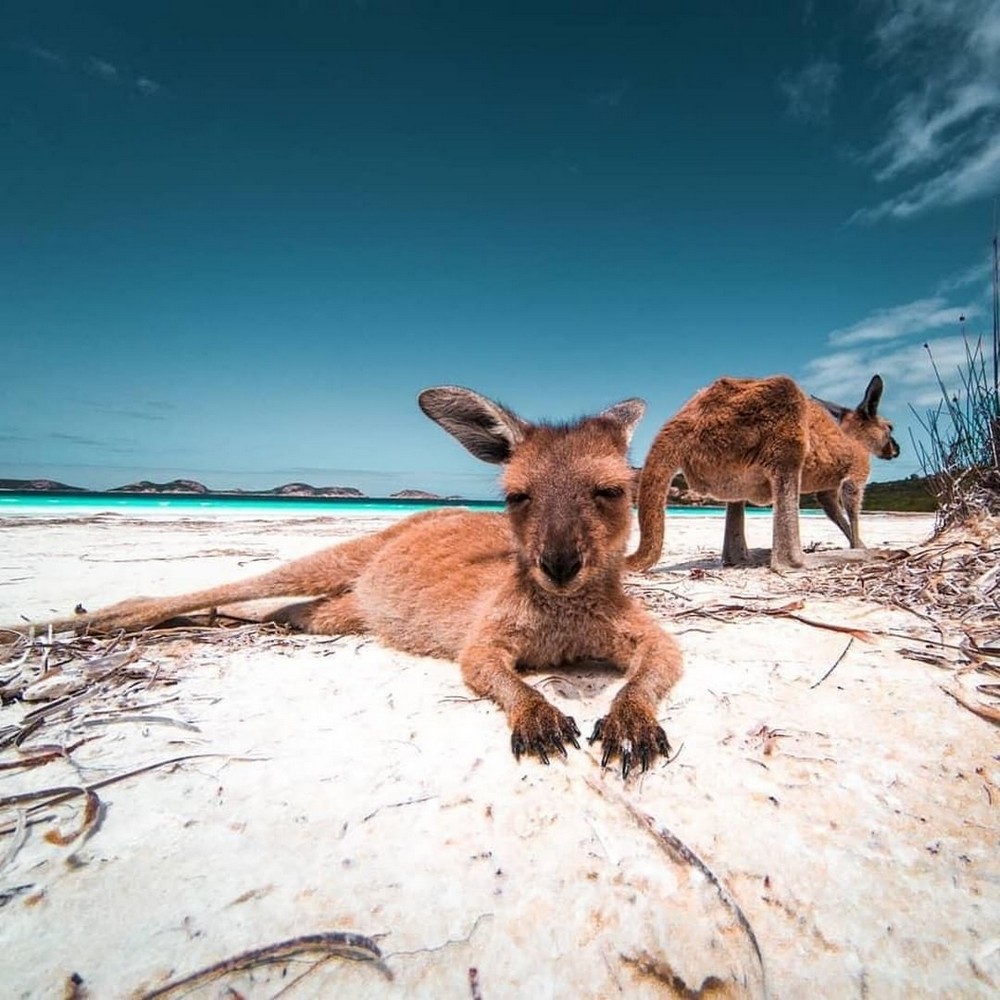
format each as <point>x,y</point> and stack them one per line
<point>961,456</point>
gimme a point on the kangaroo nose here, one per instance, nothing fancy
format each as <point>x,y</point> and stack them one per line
<point>560,567</point>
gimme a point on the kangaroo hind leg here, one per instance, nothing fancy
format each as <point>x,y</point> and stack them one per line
<point>786,545</point>
<point>336,615</point>
<point>734,544</point>
<point>330,572</point>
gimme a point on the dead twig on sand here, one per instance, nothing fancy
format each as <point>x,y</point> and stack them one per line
<point>732,612</point>
<point>337,944</point>
<point>984,711</point>
<point>673,846</point>
<point>46,798</point>
<point>836,663</point>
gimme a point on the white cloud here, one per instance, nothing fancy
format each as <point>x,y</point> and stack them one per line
<point>898,343</point>
<point>45,55</point>
<point>920,316</point>
<point>909,377</point>
<point>95,67</point>
<point>977,176</point>
<point>809,93</point>
<point>103,69</point>
<point>150,88</point>
<point>980,273</point>
<point>941,58</point>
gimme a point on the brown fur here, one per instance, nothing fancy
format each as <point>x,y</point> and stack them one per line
<point>765,441</point>
<point>538,586</point>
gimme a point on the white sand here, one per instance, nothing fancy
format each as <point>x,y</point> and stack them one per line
<point>854,824</point>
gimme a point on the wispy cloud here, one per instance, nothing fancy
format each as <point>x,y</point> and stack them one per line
<point>75,439</point>
<point>843,375</point>
<point>147,87</point>
<point>105,70</point>
<point>977,274</point>
<point>978,175</point>
<point>809,93</point>
<point>115,446</point>
<point>154,410</point>
<point>45,55</point>
<point>893,342</point>
<point>941,60</point>
<point>921,316</point>
<point>96,67</point>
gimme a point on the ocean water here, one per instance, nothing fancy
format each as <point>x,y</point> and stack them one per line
<point>92,503</point>
<point>76,504</point>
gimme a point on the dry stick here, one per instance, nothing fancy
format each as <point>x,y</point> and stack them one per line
<point>984,711</point>
<point>58,795</point>
<point>788,611</point>
<point>836,663</point>
<point>41,758</point>
<point>342,944</point>
<point>672,845</point>
<point>20,836</point>
<point>91,816</point>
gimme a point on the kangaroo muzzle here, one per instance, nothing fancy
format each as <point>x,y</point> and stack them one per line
<point>561,566</point>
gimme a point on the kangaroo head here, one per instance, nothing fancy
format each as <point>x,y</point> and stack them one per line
<point>567,486</point>
<point>863,422</point>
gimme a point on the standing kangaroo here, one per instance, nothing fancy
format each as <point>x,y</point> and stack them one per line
<point>765,441</point>
<point>537,586</point>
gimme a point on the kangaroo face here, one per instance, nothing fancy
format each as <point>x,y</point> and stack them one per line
<point>865,425</point>
<point>889,445</point>
<point>875,433</point>
<point>863,422</point>
<point>567,487</point>
<point>567,491</point>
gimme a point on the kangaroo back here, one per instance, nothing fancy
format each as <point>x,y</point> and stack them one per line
<point>733,440</point>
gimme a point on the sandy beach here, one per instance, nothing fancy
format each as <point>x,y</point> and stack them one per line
<point>828,826</point>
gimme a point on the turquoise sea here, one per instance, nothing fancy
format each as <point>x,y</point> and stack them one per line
<point>28,503</point>
<point>14,502</point>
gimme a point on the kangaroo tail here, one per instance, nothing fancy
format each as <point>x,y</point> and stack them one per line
<point>324,573</point>
<point>662,462</point>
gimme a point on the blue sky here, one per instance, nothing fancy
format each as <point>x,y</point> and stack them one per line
<point>238,239</point>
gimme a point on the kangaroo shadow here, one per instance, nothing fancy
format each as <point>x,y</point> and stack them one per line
<point>761,559</point>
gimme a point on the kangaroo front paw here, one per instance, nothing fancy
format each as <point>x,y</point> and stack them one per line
<point>630,729</point>
<point>539,727</point>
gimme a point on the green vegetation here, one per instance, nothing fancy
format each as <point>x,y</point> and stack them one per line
<point>915,494</point>
<point>962,456</point>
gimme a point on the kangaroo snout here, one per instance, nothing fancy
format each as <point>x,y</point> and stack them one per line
<point>560,565</point>
<point>891,450</point>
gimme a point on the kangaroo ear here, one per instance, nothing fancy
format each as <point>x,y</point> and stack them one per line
<point>868,407</point>
<point>835,410</point>
<point>627,413</point>
<point>486,429</point>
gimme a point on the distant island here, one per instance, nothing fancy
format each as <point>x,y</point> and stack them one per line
<point>913,494</point>
<point>191,487</point>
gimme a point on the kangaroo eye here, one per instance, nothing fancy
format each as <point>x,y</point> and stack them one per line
<point>517,499</point>
<point>608,493</point>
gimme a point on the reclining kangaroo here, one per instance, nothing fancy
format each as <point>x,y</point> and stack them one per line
<point>537,586</point>
<point>765,441</point>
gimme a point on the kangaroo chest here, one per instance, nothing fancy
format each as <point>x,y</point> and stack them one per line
<point>561,633</point>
